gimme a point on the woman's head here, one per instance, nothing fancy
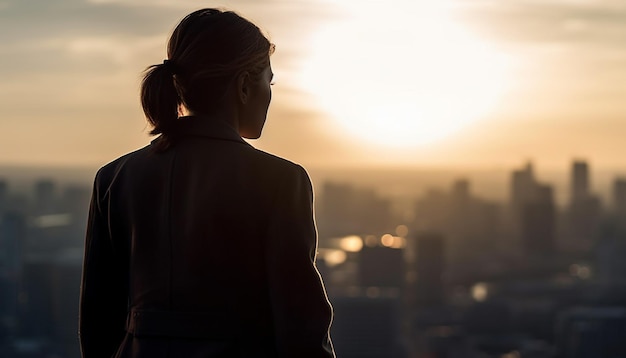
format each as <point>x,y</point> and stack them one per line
<point>209,52</point>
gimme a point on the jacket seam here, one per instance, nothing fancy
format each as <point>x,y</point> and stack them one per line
<point>169,233</point>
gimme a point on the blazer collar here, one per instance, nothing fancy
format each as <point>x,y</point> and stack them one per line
<point>214,128</point>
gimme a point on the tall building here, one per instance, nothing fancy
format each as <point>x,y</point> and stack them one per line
<point>427,289</point>
<point>45,196</point>
<point>343,209</point>
<point>590,332</point>
<point>470,225</point>
<point>36,306</point>
<point>381,266</point>
<point>539,223</point>
<point>584,211</point>
<point>619,197</point>
<point>461,191</point>
<point>4,196</point>
<point>523,186</point>
<point>66,277</point>
<point>367,327</point>
<point>12,237</point>
<point>75,202</point>
<point>580,181</point>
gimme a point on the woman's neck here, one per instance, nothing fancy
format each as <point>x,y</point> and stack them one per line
<point>229,116</point>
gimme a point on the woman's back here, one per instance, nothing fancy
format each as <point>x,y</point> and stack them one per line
<point>217,229</point>
<point>199,245</point>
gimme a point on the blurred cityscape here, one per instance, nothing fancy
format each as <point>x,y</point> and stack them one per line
<point>450,275</point>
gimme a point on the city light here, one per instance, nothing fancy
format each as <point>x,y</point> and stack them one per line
<point>332,257</point>
<point>480,291</point>
<point>53,220</point>
<point>402,230</point>
<point>351,243</point>
<point>387,240</point>
<point>394,242</point>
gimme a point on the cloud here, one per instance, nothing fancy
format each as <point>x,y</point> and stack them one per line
<point>77,64</point>
<point>26,20</point>
<point>175,3</point>
<point>525,22</point>
<point>119,50</point>
<point>35,31</point>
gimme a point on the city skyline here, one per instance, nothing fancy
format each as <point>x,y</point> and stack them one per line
<point>520,79</point>
<point>400,183</point>
<point>532,268</point>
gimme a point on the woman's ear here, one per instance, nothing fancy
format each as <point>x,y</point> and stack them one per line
<point>243,87</point>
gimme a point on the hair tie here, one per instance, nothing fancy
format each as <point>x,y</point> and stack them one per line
<point>169,65</point>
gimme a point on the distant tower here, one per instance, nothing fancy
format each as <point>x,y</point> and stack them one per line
<point>523,186</point>
<point>584,212</point>
<point>619,197</point>
<point>461,190</point>
<point>580,181</point>
<point>590,331</point>
<point>381,266</point>
<point>4,196</point>
<point>12,237</point>
<point>367,327</point>
<point>75,201</point>
<point>539,223</point>
<point>45,196</point>
<point>429,266</point>
<point>344,209</point>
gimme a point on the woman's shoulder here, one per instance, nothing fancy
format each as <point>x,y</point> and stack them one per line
<point>108,171</point>
<point>278,163</point>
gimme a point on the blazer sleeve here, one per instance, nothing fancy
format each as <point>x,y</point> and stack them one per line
<point>104,287</point>
<point>301,310</point>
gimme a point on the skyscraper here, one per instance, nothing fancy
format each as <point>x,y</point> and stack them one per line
<point>461,191</point>
<point>429,267</point>
<point>580,181</point>
<point>523,186</point>
<point>4,193</point>
<point>381,266</point>
<point>12,237</point>
<point>45,196</point>
<point>584,211</point>
<point>539,223</point>
<point>367,327</point>
<point>619,197</point>
<point>343,209</point>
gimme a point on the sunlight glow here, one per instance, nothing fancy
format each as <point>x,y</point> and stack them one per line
<point>404,75</point>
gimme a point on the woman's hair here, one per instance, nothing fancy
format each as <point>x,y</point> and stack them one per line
<point>208,48</point>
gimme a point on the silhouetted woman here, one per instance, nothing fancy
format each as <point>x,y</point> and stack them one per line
<point>200,245</point>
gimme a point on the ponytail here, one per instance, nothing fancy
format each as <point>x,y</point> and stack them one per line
<point>160,101</point>
<point>208,47</point>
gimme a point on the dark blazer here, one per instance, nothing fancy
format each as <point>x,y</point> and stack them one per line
<point>206,249</point>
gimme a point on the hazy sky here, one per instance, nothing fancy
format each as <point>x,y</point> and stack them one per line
<point>413,83</point>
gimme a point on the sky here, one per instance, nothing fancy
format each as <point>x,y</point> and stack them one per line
<point>367,83</point>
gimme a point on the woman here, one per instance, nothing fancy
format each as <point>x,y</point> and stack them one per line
<point>199,245</point>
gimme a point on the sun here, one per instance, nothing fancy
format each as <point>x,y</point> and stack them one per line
<point>402,76</point>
